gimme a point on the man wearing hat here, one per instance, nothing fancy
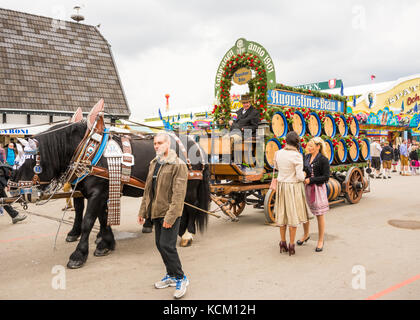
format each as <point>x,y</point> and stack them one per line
<point>247,119</point>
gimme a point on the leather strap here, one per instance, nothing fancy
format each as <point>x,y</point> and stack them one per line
<point>127,159</point>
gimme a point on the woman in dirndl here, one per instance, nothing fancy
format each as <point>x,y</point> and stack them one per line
<point>317,168</point>
<point>290,208</point>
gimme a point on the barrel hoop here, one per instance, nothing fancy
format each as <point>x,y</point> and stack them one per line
<point>302,119</point>
<point>319,123</point>
<point>358,150</point>
<point>333,124</point>
<point>331,159</point>
<point>346,131</point>
<point>278,144</point>
<point>286,128</point>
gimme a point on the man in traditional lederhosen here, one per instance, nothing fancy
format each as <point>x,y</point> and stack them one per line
<point>163,203</point>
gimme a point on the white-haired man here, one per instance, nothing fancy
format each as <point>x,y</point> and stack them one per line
<point>163,202</point>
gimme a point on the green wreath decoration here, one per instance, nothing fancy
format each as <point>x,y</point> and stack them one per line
<point>257,86</point>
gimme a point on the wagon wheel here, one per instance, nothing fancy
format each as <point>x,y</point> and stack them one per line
<point>269,200</point>
<point>235,207</point>
<point>353,185</point>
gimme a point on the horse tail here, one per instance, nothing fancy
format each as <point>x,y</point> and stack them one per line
<point>203,199</point>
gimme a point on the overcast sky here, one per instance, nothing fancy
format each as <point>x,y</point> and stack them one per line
<point>175,46</point>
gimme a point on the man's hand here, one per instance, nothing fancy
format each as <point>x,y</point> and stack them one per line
<point>141,220</point>
<point>230,122</point>
<point>166,225</point>
<point>307,181</point>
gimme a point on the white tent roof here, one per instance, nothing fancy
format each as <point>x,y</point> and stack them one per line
<point>371,87</point>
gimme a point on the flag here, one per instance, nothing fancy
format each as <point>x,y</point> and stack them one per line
<point>402,106</point>
<point>191,116</point>
<point>173,119</point>
<point>206,112</point>
<point>332,83</point>
<point>342,89</point>
<point>372,77</point>
<point>179,116</point>
<point>160,115</point>
<point>354,101</point>
<point>416,108</point>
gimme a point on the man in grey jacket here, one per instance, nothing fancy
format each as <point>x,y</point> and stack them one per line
<point>163,202</point>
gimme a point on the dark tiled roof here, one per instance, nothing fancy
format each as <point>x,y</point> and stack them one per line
<point>53,65</point>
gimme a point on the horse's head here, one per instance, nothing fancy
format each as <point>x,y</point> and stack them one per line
<point>46,157</point>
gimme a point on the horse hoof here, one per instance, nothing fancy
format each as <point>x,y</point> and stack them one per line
<point>72,264</point>
<point>102,252</point>
<point>147,230</point>
<point>185,243</point>
<point>72,238</point>
<point>98,240</point>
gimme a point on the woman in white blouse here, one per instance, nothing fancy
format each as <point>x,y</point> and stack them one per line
<point>290,208</point>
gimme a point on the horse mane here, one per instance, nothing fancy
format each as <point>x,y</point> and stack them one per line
<point>58,144</point>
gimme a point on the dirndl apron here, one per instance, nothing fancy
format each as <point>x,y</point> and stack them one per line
<point>317,197</point>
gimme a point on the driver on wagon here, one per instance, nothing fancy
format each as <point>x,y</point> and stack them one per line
<point>247,119</point>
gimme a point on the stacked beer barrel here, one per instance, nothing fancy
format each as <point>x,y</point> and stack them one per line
<point>335,131</point>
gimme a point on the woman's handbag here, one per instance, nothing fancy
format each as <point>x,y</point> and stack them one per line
<point>273,184</point>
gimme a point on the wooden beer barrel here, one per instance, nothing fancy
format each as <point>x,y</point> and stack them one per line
<point>354,127</point>
<point>279,124</point>
<point>313,125</point>
<point>340,156</point>
<point>329,126</point>
<point>299,125</point>
<point>329,150</point>
<point>354,151</point>
<point>271,147</point>
<point>364,150</point>
<point>333,189</point>
<point>342,126</point>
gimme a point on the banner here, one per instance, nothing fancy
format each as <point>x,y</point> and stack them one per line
<point>297,100</point>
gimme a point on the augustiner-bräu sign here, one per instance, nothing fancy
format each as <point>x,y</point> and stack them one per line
<point>243,46</point>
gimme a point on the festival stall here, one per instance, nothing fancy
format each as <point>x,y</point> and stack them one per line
<point>390,113</point>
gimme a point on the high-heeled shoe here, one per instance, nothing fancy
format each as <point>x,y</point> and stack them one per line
<point>319,249</point>
<point>299,243</point>
<point>291,249</point>
<point>283,246</point>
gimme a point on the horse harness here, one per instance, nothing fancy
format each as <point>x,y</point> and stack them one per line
<point>99,142</point>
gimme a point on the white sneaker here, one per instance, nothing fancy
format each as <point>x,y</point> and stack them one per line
<point>167,281</point>
<point>181,287</point>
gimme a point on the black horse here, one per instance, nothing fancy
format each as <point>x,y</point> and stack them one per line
<point>56,149</point>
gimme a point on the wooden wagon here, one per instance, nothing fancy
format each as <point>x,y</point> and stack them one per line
<point>233,187</point>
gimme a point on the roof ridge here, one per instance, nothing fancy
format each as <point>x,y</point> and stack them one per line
<point>46,17</point>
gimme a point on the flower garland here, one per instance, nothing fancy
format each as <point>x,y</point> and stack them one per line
<point>318,94</point>
<point>258,86</point>
<point>342,168</point>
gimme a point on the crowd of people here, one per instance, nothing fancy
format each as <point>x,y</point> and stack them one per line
<point>7,161</point>
<point>387,156</point>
